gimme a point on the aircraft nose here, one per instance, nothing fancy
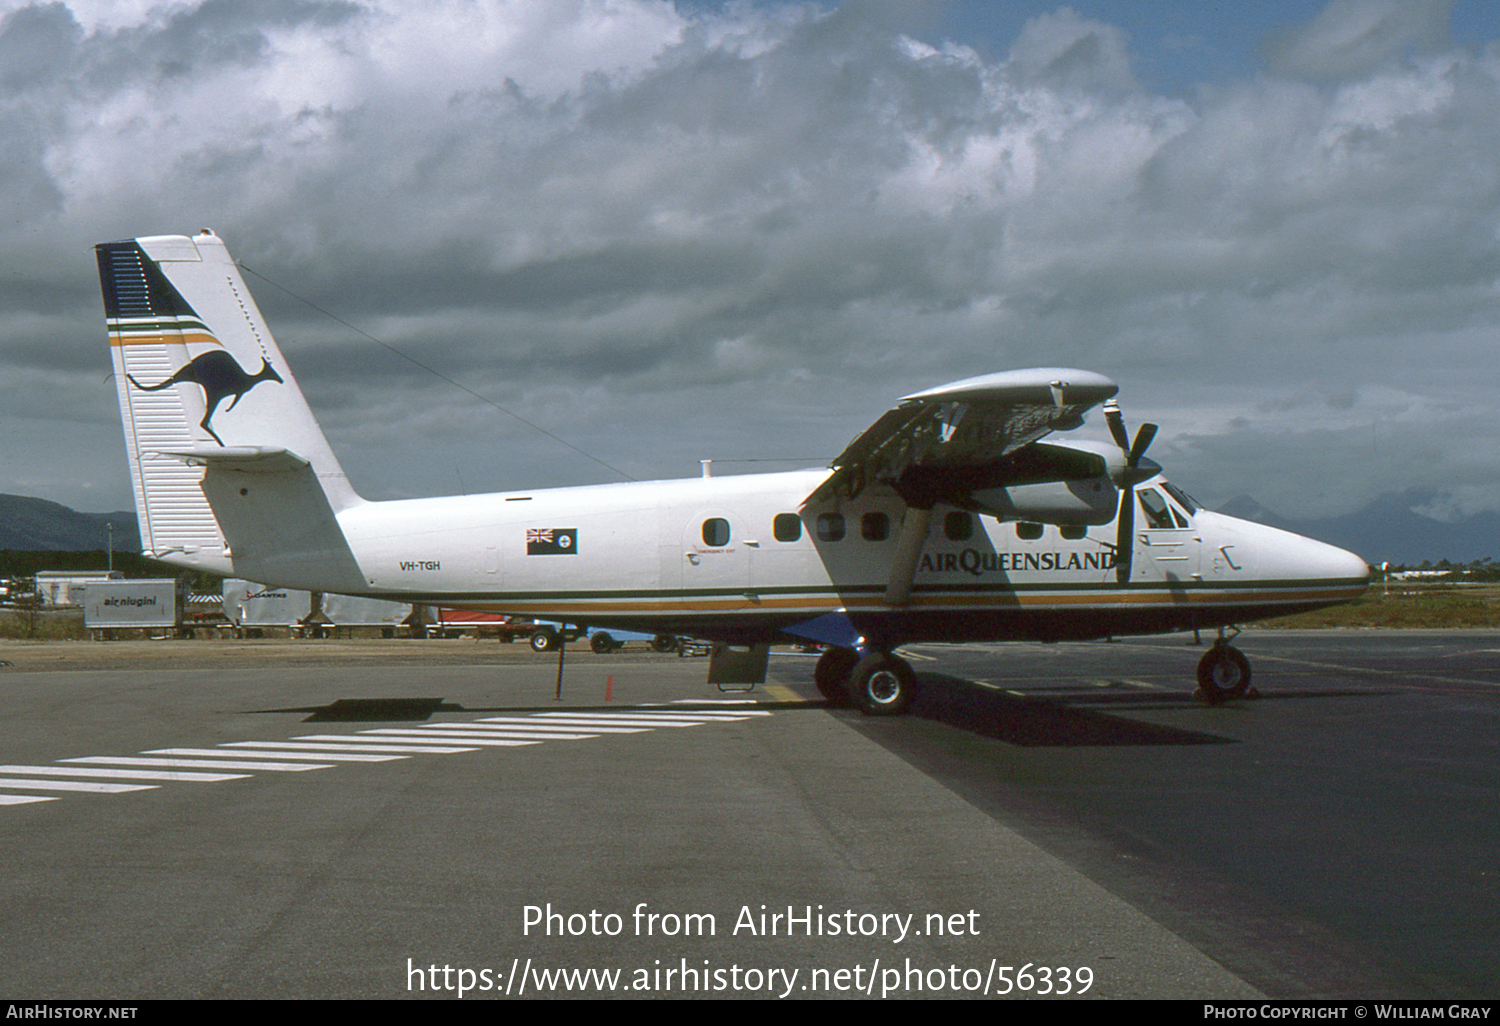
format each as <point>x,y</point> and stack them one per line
<point>1323,562</point>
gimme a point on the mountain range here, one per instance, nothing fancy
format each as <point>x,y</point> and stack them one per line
<point>1388,529</point>
<point>36,525</point>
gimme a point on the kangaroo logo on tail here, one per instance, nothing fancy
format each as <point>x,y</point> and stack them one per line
<point>219,376</point>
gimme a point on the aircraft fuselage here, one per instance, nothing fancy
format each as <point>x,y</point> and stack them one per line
<point>738,559</point>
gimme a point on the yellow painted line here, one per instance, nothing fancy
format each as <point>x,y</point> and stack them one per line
<point>782,693</point>
<point>920,657</point>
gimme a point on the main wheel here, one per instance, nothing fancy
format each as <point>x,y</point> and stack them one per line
<point>882,684</point>
<point>1223,673</point>
<point>543,640</point>
<point>831,675</point>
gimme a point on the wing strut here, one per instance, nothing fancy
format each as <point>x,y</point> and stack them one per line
<point>914,528</point>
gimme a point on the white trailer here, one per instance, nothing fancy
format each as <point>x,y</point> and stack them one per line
<point>69,587</point>
<point>252,608</point>
<point>158,604</point>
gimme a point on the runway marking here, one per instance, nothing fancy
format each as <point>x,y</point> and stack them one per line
<point>628,718</point>
<point>469,737</point>
<point>921,657</point>
<point>72,785</point>
<point>219,753</point>
<point>1376,672</point>
<point>519,731</point>
<point>595,726</point>
<point>135,760</point>
<point>123,774</point>
<point>325,751</point>
<point>276,748</point>
<point>414,742</point>
<point>720,701</point>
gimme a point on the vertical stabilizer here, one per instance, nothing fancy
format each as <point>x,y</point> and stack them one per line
<point>198,375</point>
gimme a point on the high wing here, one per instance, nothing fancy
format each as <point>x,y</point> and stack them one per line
<point>973,444</point>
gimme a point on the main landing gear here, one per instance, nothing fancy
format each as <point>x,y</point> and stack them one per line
<point>879,684</point>
<point>1223,672</point>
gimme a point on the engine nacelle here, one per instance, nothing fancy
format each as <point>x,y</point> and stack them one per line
<point>1091,501</point>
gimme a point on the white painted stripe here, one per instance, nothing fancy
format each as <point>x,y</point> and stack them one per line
<point>73,785</point>
<point>480,730</point>
<point>124,774</point>
<point>24,799</point>
<point>634,721</point>
<point>719,701</point>
<point>594,726</point>
<point>220,753</point>
<point>707,716</point>
<point>728,714</point>
<point>416,732</point>
<point>269,767</point>
<point>353,745</point>
<point>276,747</point>
<point>533,727</point>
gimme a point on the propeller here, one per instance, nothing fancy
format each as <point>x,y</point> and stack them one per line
<point>1134,475</point>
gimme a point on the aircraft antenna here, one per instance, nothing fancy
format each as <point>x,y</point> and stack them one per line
<point>413,360</point>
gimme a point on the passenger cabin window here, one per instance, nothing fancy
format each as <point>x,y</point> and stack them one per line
<point>1028,532</point>
<point>716,531</point>
<point>875,527</point>
<point>830,527</point>
<point>1073,532</point>
<point>787,527</point>
<point>958,526</point>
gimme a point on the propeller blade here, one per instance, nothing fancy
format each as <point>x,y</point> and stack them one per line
<point>1143,438</point>
<point>1125,536</point>
<point>1116,422</point>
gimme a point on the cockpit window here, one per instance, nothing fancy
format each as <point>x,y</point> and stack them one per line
<point>1181,496</point>
<point>1158,513</point>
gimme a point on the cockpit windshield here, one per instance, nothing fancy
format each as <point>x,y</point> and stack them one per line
<point>1161,515</point>
<point>1181,496</point>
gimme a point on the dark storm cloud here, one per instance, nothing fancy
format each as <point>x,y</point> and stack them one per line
<point>757,226</point>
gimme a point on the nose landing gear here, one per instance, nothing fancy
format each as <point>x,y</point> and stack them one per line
<point>1223,672</point>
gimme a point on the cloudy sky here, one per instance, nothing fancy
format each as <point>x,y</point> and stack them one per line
<point>673,231</point>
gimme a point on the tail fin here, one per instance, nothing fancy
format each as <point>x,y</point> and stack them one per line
<point>201,383</point>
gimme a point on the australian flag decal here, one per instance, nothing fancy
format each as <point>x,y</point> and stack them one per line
<point>551,541</point>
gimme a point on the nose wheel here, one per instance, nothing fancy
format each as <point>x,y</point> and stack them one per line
<point>1223,673</point>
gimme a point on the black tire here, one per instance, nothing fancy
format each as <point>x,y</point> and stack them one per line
<point>664,642</point>
<point>831,675</point>
<point>882,685</point>
<point>1223,674</point>
<point>543,639</point>
<point>602,643</point>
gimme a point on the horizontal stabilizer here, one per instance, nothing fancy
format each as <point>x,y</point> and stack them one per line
<point>277,521</point>
<point>252,459</point>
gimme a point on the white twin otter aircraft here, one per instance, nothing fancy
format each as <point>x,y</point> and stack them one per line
<point>949,520</point>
